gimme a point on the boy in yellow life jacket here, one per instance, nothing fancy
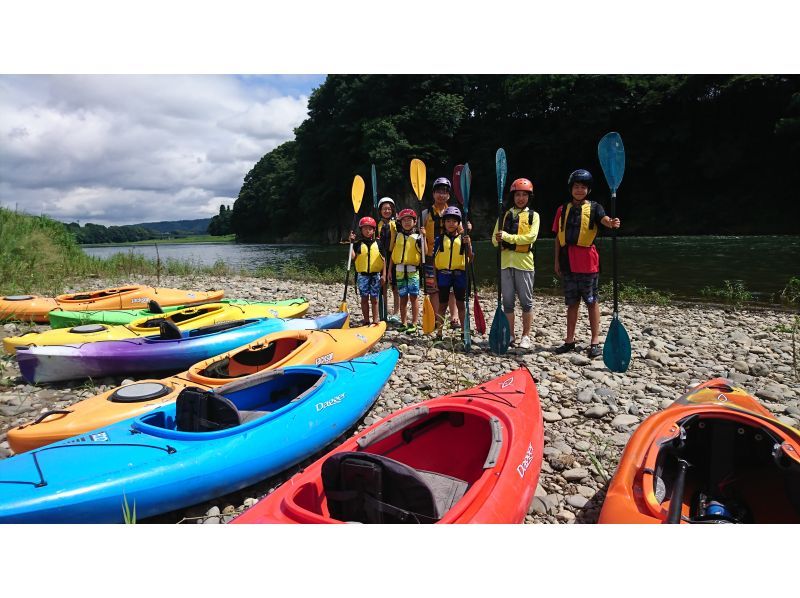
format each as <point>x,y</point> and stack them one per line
<point>405,258</point>
<point>577,262</point>
<point>450,254</point>
<point>369,266</point>
<point>516,235</point>
<point>387,231</point>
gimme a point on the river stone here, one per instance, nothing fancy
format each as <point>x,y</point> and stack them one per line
<point>741,366</point>
<point>577,501</point>
<point>565,413</point>
<point>624,420</point>
<point>543,391</point>
<point>597,411</point>
<point>789,421</point>
<point>551,417</point>
<point>586,491</point>
<point>576,359</point>
<point>582,445</point>
<point>575,475</point>
<point>586,396</point>
<point>769,394</point>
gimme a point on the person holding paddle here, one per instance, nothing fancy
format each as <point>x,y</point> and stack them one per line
<point>577,262</point>
<point>516,236</point>
<point>369,266</point>
<point>405,258</point>
<point>387,231</point>
<point>451,250</point>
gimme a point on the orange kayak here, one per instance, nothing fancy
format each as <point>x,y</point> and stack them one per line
<point>35,307</point>
<point>714,456</point>
<point>273,351</point>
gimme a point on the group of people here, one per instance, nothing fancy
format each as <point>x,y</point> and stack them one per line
<point>392,252</point>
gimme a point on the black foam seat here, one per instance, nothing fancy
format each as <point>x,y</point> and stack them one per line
<point>204,411</point>
<point>370,488</point>
<point>153,307</point>
<point>168,331</point>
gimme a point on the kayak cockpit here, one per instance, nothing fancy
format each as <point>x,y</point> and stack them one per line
<point>230,409</point>
<point>422,467</point>
<point>253,359</point>
<point>738,469</point>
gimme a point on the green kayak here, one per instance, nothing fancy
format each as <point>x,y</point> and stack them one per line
<point>67,319</point>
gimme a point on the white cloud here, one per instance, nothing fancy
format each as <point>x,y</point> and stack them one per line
<point>134,148</point>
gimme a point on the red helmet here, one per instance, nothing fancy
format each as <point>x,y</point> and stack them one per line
<point>406,213</point>
<point>367,221</point>
<point>521,185</point>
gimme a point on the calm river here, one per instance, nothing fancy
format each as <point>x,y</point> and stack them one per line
<point>680,265</point>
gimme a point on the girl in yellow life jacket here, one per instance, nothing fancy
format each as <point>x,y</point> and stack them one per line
<point>369,266</point>
<point>387,231</point>
<point>516,235</point>
<point>405,259</point>
<point>450,255</point>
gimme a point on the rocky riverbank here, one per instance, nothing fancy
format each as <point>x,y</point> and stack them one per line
<point>589,412</point>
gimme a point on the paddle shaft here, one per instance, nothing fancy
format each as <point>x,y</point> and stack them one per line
<point>349,259</point>
<point>614,251</point>
<point>676,499</point>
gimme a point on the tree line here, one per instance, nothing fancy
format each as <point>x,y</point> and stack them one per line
<point>706,154</point>
<point>97,233</point>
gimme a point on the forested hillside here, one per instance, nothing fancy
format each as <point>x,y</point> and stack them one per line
<point>706,154</point>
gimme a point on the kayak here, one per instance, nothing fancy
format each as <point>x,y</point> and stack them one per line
<point>65,319</point>
<point>173,350</point>
<point>714,456</point>
<point>185,319</point>
<point>204,445</point>
<point>473,456</point>
<point>35,307</point>
<point>140,397</point>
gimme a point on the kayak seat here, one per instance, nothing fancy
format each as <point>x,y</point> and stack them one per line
<point>153,307</point>
<point>218,327</point>
<point>168,331</point>
<point>204,411</point>
<point>370,488</point>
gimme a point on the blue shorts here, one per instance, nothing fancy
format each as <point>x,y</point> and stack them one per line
<point>580,286</point>
<point>455,279</point>
<point>408,284</point>
<point>369,284</point>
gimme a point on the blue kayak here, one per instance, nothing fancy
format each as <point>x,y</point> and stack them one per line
<point>171,351</point>
<point>204,445</point>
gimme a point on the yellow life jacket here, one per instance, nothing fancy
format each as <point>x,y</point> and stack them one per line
<point>588,229</point>
<point>368,258</point>
<point>434,226</point>
<point>392,232</point>
<point>406,251</point>
<point>517,226</point>
<point>449,254</point>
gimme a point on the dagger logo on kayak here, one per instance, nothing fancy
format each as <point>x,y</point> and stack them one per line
<point>140,300</point>
<point>101,437</point>
<point>526,462</point>
<point>361,337</point>
<point>507,382</point>
<point>324,359</point>
<point>330,403</point>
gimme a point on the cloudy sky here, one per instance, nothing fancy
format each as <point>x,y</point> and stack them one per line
<point>123,149</point>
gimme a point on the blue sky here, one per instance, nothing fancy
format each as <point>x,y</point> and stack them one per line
<point>123,149</point>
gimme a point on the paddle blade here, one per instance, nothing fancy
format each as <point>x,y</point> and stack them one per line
<point>343,306</point>
<point>611,154</point>
<point>480,321</point>
<point>501,168</point>
<point>500,334</point>
<point>418,176</point>
<point>466,181</point>
<point>357,193</point>
<point>374,188</point>
<point>457,183</point>
<point>428,317</point>
<point>617,348</point>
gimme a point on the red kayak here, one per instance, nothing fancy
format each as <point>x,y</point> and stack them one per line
<point>469,457</point>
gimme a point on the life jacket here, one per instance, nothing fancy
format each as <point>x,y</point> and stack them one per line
<point>449,253</point>
<point>368,257</point>
<point>406,251</point>
<point>386,243</point>
<point>434,224</point>
<point>517,226</point>
<point>588,230</point>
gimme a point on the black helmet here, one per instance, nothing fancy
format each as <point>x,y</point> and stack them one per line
<point>580,176</point>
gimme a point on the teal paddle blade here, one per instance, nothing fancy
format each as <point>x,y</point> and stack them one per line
<point>464,183</point>
<point>611,153</point>
<point>501,168</point>
<point>500,333</point>
<point>617,348</point>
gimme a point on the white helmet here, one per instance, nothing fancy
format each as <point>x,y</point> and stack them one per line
<point>385,200</point>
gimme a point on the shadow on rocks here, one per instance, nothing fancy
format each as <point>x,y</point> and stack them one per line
<point>590,512</point>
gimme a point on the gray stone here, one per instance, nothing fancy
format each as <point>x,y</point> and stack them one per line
<point>624,420</point>
<point>586,396</point>
<point>575,475</point>
<point>741,366</point>
<point>576,359</point>
<point>597,411</point>
<point>577,501</point>
<point>582,445</point>
<point>551,417</point>
<point>789,421</point>
<point>769,395</point>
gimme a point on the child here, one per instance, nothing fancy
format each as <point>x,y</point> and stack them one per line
<point>406,260</point>
<point>369,266</point>
<point>387,230</point>
<point>517,235</point>
<point>577,262</point>
<point>451,252</point>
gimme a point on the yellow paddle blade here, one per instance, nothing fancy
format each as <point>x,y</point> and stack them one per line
<point>343,307</point>
<point>428,317</point>
<point>357,193</point>
<point>418,176</point>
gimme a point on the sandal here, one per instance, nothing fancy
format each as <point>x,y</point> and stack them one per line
<point>565,348</point>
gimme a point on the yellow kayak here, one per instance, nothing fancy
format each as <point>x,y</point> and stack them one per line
<point>189,318</point>
<point>273,351</point>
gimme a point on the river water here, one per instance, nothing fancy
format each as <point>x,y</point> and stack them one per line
<point>679,265</point>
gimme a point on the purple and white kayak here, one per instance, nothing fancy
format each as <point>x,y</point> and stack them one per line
<point>172,350</point>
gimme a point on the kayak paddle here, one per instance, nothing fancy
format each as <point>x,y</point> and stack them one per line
<point>464,184</point>
<point>418,177</point>
<point>381,290</point>
<point>477,312</point>
<point>617,348</point>
<point>500,334</point>
<point>356,194</point>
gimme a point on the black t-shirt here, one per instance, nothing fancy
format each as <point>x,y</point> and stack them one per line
<point>573,230</point>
